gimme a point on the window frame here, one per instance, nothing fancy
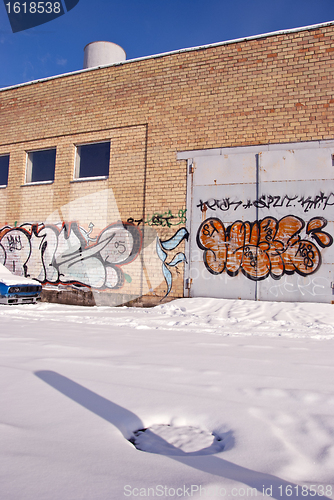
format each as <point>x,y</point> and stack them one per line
<point>3,186</point>
<point>77,158</point>
<point>29,167</point>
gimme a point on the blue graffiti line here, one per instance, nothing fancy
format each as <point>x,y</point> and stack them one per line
<point>175,240</point>
<point>171,244</point>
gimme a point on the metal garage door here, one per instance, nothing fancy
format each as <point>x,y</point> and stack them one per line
<point>260,221</point>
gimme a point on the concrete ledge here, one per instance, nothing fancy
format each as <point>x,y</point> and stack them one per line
<point>71,296</point>
<point>85,297</point>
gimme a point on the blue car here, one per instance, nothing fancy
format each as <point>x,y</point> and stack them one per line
<point>17,289</point>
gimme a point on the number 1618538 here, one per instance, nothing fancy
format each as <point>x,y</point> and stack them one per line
<point>33,7</point>
<point>306,491</point>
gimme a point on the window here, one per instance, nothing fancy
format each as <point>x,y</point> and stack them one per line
<point>4,166</point>
<point>92,160</point>
<point>41,166</point>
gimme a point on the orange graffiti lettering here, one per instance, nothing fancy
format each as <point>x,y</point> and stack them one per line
<point>268,247</point>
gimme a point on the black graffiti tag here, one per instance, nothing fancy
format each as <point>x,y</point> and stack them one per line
<point>14,243</point>
<point>307,203</point>
<point>166,219</point>
<point>306,251</point>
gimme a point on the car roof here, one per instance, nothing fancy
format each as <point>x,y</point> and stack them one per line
<point>11,279</point>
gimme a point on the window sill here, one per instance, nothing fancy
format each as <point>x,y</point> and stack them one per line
<point>39,183</point>
<point>3,186</point>
<point>87,179</point>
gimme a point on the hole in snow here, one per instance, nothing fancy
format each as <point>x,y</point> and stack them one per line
<point>172,440</point>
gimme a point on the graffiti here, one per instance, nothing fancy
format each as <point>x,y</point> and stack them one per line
<point>308,286</point>
<point>268,247</point>
<point>164,246</point>
<point>166,219</point>
<point>307,203</point>
<point>66,254</point>
<point>14,243</point>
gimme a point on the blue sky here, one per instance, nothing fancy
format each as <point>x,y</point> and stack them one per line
<point>143,27</point>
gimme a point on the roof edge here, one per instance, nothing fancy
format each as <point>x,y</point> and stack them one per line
<point>173,52</point>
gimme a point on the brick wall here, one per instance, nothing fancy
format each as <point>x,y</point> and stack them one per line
<point>271,89</point>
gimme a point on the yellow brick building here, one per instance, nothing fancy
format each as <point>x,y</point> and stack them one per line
<point>123,234</point>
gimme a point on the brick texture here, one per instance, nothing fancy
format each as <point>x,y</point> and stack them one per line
<point>273,89</point>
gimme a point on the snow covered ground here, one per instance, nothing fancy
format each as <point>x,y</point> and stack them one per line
<point>237,395</point>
